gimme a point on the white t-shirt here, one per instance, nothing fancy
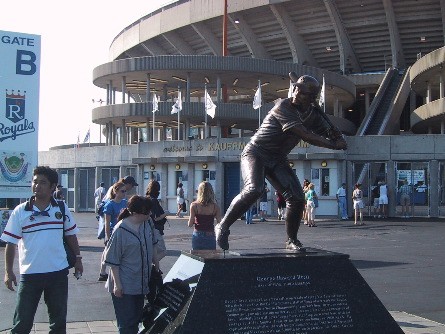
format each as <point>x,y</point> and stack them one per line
<point>39,238</point>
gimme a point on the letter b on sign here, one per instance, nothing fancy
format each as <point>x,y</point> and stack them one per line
<point>25,62</point>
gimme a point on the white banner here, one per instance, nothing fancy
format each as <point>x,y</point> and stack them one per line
<point>19,112</point>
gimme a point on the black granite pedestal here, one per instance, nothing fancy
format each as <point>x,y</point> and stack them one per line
<point>269,291</point>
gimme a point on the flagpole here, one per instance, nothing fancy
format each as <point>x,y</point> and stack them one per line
<point>154,97</point>
<point>205,111</point>
<point>259,109</point>
<point>179,124</point>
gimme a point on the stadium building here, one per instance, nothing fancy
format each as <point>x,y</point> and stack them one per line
<point>381,61</point>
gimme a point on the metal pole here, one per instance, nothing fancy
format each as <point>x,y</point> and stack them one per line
<point>205,111</point>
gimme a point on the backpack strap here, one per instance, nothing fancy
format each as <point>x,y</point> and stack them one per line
<point>61,205</point>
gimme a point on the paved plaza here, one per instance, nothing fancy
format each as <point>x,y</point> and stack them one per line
<point>402,260</point>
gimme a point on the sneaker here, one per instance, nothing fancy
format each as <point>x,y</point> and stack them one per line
<point>295,245</point>
<point>102,278</point>
<point>222,237</point>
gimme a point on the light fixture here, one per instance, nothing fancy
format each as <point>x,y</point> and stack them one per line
<point>265,83</point>
<point>328,48</point>
<point>282,90</point>
<point>235,91</point>
<point>235,81</point>
<point>236,21</point>
<point>206,79</point>
<point>324,163</point>
<point>178,166</point>
<point>158,80</point>
<point>179,78</point>
<point>204,166</point>
<point>152,167</point>
<point>423,39</point>
<point>291,164</point>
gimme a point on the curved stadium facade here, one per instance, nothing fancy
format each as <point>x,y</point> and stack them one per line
<point>381,61</point>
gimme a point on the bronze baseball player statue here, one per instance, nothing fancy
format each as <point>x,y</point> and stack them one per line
<point>265,156</point>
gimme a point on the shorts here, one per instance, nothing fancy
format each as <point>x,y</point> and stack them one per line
<point>405,199</point>
<point>263,206</point>
<point>383,200</point>
<point>179,200</point>
<point>358,204</point>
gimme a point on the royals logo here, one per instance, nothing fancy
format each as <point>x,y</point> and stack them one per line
<point>15,106</point>
<point>15,112</point>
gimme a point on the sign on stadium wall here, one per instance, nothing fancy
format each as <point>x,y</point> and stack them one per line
<point>19,112</point>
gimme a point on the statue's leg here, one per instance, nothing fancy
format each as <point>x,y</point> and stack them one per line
<point>252,171</point>
<point>283,179</point>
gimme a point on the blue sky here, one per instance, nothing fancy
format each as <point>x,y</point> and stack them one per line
<point>75,37</point>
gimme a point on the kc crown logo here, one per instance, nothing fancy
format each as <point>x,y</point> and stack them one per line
<point>15,112</point>
<point>15,106</point>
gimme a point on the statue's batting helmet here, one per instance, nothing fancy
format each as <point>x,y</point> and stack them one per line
<point>306,83</point>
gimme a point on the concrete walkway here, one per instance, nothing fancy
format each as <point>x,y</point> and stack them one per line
<point>401,260</point>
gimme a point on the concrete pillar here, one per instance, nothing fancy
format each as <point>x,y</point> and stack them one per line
<point>165,93</point>
<point>123,133</point>
<point>441,86</point>
<point>391,183</point>
<point>349,185</point>
<point>124,87</point>
<point>110,98</point>
<point>218,89</point>
<point>76,186</point>
<point>147,128</point>
<point>434,189</point>
<point>367,103</point>
<point>187,129</point>
<point>108,94</point>
<point>148,96</point>
<point>187,90</point>
<point>114,95</point>
<point>412,101</point>
<point>428,92</point>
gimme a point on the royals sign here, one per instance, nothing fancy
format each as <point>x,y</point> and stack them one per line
<point>19,111</point>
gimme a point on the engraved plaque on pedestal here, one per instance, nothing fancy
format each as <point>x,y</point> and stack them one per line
<point>272,291</point>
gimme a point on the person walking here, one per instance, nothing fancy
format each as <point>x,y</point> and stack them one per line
<point>281,206</point>
<point>383,199</point>
<point>158,215</point>
<point>357,200</point>
<point>131,253</point>
<point>306,184</point>
<point>37,227</point>
<point>112,209</point>
<point>203,213</point>
<point>58,194</point>
<point>341,200</point>
<point>180,200</point>
<point>405,192</point>
<point>249,215</point>
<point>99,194</point>
<point>265,156</point>
<point>311,197</point>
<point>263,205</point>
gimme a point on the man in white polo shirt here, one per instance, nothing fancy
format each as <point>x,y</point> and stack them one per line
<point>37,227</point>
